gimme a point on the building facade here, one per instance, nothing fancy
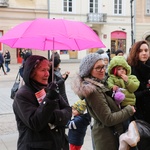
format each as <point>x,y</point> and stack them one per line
<point>142,20</point>
<point>111,20</point>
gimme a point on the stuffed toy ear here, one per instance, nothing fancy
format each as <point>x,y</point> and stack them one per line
<point>119,97</point>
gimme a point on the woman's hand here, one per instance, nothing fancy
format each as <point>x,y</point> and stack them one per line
<point>133,108</point>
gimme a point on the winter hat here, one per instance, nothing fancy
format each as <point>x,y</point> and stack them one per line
<point>100,51</point>
<point>87,64</point>
<point>104,55</point>
<point>80,106</point>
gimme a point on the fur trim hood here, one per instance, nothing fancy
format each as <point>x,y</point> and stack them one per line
<point>83,87</point>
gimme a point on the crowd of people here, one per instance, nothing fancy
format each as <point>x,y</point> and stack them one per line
<point>114,92</point>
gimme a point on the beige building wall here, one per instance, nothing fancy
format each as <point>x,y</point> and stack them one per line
<point>116,22</point>
<point>24,10</point>
<point>142,21</point>
<point>18,12</point>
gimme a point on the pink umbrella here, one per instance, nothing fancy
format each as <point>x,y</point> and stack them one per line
<point>54,34</point>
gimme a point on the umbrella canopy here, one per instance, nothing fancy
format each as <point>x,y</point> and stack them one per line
<point>52,34</point>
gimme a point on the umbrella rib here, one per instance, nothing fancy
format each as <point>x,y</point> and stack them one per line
<point>77,44</point>
<point>45,43</point>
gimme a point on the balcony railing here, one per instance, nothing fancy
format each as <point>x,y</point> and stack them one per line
<point>4,3</point>
<point>97,17</point>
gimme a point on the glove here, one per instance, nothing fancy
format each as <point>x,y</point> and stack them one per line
<point>52,91</point>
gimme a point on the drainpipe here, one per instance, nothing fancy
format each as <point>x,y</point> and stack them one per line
<point>132,18</point>
<point>48,5</point>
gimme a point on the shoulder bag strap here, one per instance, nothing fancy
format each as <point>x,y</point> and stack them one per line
<point>18,77</point>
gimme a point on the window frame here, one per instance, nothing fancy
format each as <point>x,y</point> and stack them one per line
<point>117,5</point>
<point>147,7</point>
<point>68,2</point>
<point>94,6</point>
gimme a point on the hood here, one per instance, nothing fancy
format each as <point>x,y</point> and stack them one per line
<point>118,61</point>
<point>29,66</point>
<point>83,87</point>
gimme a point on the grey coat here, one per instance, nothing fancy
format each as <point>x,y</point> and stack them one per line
<point>107,116</point>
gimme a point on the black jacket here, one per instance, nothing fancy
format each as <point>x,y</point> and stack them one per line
<point>7,57</point>
<point>33,118</point>
<point>61,84</point>
<point>142,72</point>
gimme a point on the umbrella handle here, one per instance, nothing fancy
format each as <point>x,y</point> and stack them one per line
<point>52,66</point>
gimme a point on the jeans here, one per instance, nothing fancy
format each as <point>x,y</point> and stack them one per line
<point>7,67</point>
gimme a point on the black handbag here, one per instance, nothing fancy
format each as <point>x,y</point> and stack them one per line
<point>15,87</point>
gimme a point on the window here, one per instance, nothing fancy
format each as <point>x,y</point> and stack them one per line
<point>63,52</point>
<point>93,6</point>
<point>118,44</point>
<point>67,6</point>
<point>148,39</point>
<point>118,7</point>
<point>147,6</point>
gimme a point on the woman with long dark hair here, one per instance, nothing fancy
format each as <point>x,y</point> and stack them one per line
<point>139,60</point>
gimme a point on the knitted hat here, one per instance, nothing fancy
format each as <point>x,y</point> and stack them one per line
<point>87,64</point>
<point>100,51</point>
<point>80,106</point>
<point>104,55</point>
